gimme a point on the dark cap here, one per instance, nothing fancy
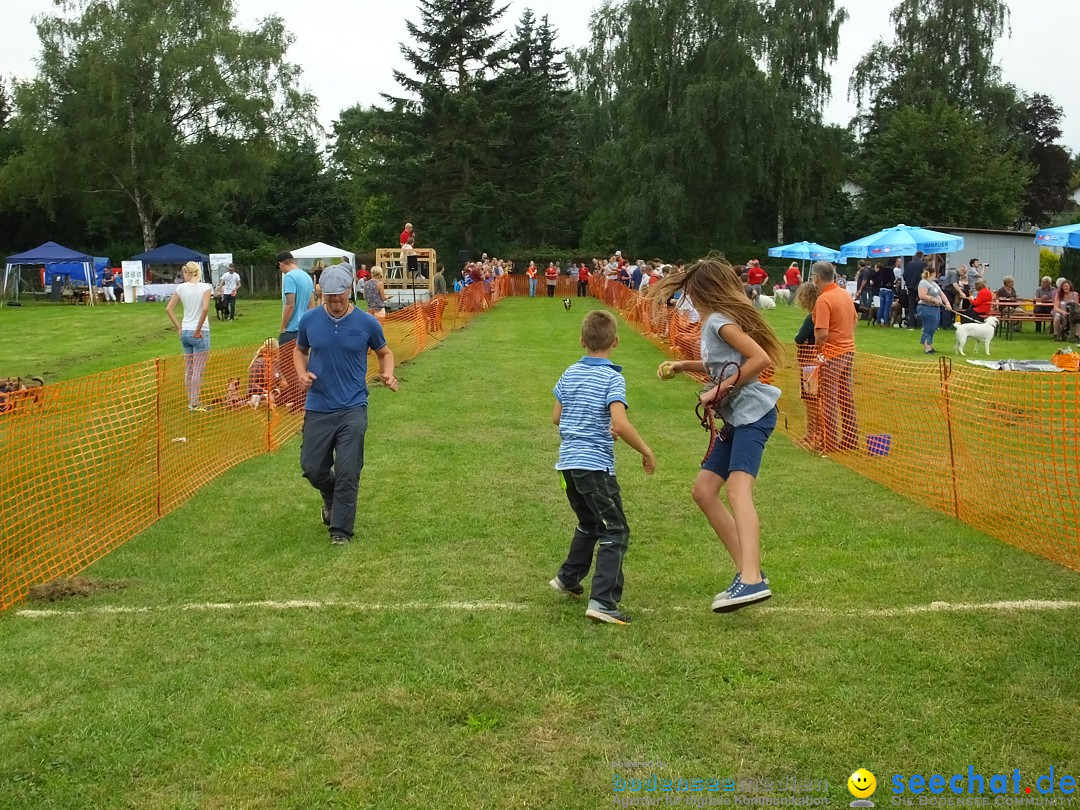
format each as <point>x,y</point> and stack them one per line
<point>284,256</point>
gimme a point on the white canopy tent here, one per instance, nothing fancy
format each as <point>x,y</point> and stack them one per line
<point>307,256</point>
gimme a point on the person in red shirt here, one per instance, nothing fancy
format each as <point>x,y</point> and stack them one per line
<point>407,233</point>
<point>552,277</point>
<point>758,277</point>
<point>981,302</point>
<point>793,278</point>
<point>583,281</point>
<point>362,275</point>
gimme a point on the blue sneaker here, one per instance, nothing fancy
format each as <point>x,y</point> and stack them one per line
<point>740,595</point>
<point>599,613</point>
<point>738,579</point>
<point>557,584</point>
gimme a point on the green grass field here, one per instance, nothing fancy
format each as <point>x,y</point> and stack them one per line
<point>59,341</point>
<point>248,664</point>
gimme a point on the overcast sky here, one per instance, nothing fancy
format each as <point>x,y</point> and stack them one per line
<point>1040,55</point>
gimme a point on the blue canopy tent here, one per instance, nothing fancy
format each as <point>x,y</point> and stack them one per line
<point>173,254</point>
<point>49,253</point>
<point>807,252</point>
<point>1063,236</point>
<point>74,273</point>
<point>903,240</point>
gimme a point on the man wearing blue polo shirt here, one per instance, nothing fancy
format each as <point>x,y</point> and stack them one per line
<point>330,359</point>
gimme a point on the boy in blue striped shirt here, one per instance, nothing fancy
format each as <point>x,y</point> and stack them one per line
<point>590,410</point>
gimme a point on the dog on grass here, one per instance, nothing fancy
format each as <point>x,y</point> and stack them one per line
<point>979,332</point>
<point>567,303</point>
<point>766,302</point>
<point>896,315</point>
<point>221,306</point>
<point>783,295</point>
<point>1070,325</point>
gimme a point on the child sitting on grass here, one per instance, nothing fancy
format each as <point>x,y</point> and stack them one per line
<point>264,375</point>
<point>590,410</point>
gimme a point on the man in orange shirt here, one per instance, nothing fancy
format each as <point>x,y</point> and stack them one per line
<point>834,333</point>
<point>530,273</point>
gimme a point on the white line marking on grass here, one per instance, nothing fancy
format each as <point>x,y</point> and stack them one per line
<point>1027,605</point>
<point>949,607</point>
<point>291,604</point>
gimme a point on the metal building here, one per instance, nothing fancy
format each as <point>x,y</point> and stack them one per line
<point>1007,253</point>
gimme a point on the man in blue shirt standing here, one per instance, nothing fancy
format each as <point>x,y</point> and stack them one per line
<point>297,297</point>
<point>330,357</point>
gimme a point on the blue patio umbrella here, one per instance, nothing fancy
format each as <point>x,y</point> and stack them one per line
<point>1063,236</point>
<point>806,251</point>
<point>903,240</point>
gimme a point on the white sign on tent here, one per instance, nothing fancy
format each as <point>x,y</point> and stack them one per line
<point>219,263</point>
<point>133,280</point>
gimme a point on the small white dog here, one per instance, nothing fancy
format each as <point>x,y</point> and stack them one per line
<point>766,302</point>
<point>979,332</point>
<point>782,295</point>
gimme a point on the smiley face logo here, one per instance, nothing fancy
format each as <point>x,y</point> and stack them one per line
<point>862,784</point>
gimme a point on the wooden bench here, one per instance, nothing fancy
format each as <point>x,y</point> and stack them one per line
<point>1020,311</point>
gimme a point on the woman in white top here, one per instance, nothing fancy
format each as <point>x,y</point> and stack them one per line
<point>194,332</point>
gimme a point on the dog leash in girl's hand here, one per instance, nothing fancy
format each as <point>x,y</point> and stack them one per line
<point>708,414</point>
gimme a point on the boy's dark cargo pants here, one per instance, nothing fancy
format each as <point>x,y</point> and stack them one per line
<point>594,496</point>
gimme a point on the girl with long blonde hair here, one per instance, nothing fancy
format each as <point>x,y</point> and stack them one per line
<point>737,345</point>
<point>194,297</point>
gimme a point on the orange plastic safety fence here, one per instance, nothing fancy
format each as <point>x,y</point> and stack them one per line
<point>88,463</point>
<point>518,285</point>
<point>1000,451</point>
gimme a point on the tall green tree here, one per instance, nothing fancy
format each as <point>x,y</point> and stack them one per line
<point>5,106</point>
<point>801,41</point>
<point>942,50</point>
<point>940,167</point>
<point>441,145</point>
<point>23,222</point>
<point>938,79</point>
<point>165,107</point>
<point>701,118</point>
<point>540,152</point>
<point>669,87</point>
<point>1051,164</point>
<point>362,140</point>
<point>304,200</point>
